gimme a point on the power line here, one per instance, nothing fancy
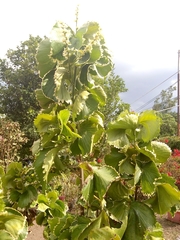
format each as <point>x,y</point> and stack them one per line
<point>155,87</point>
<point>147,103</point>
<point>167,108</point>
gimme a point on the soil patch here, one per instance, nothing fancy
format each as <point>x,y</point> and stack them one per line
<point>35,232</point>
<point>171,230</point>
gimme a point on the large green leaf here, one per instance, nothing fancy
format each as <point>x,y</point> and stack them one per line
<point>64,116</point>
<point>28,196</point>
<point>118,190</point>
<point>48,85</point>
<point>99,180</point>
<point>103,177</point>
<point>87,129</point>
<point>14,166</point>
<point>127,166</point>
<point>12,172</point>
<point>167,179</point>
<point>162,151</point>
<point>114,157</point>
<point>80,102</point>
<point>58,208</point>
<point>77,230</point>
<point>91,29</point>
<point>141,217</point>
<point>60,227</point>
<point>84,58</point>
<point>150,126</point>
<point>119,211</point>
<point>149,175</point>
<point>99,94</point>
<point>165,197</point>
<point>61,92</point>
<point>35,147</point>
<point>49,161</point>
<point>84,74</point>
<point>88,189</point>
<point>137,174</point>
<point>97,223</point>
<point>6,235</point>
<point>98,135</point>
<point>125,120</point>
<point>50,203</point>
<point>13,224</point>
<point>45,63</point>
<point>57,49</point>
<point>75,149</point>
<point>48,138</point>
<point>156,151</point>
<point>103,233</point>
<point>95,53</point>
<point>44,121</point>
<point>44,102</point>
<point>103,71</point>
<point>155,233</point>
<point>78,39</point>
<point>147,154</point>
<point>57,37</point>
<point>97,118</point>
<point>90,105</point>
<point>38,165</point>
<point>117,138</point>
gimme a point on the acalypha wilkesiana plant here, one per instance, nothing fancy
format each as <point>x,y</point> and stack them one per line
<point>120,197</point>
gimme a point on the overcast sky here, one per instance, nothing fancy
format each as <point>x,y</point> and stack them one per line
<point>142,35</point>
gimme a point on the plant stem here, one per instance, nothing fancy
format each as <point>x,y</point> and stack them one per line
<point>136,193</point>
<point>74,84</point>
<point>81,186</point>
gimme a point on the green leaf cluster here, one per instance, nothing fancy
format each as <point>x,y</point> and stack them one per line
<point>13,224</point>
<point>69,122</point>
<point>20,186</point>
<point>18,80</point>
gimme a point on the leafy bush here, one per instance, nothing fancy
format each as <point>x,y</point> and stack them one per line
<point>20,188</point>
<point>13,224</point>
<point>172,167</point>
<point>11,140</point>
<point>172,141</point>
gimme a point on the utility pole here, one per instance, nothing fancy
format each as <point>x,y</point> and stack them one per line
<point>178,96</point>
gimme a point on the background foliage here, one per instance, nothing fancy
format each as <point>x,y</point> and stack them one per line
<point>12,140</point>
<point>19,78</point>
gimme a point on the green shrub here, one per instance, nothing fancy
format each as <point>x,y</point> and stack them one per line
<point>172,141</point>
<point>11,141</point>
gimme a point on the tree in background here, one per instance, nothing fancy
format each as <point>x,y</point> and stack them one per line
<point>19,78</point>
<point>169,125</point>
<point>11,141</point>
<point>164,104</point>
<point>165,101</point>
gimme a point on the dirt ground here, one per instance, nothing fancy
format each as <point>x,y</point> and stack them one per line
<point>171,230</point>
<point>35,233</point>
